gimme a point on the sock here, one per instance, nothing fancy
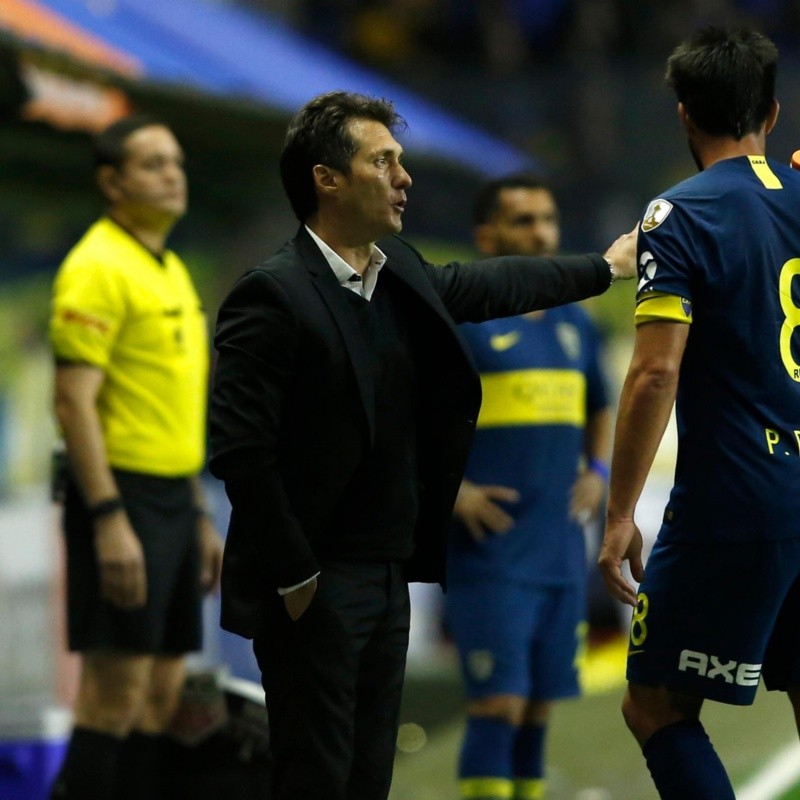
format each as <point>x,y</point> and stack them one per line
<point>529,762</point>
<point>141,767</point>
<point>684,764</point>
<point>486,767</point>
<point>89,771</point>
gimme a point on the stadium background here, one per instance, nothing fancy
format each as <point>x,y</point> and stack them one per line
<point>572,90</point>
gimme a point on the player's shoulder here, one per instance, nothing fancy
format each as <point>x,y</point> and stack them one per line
<point>573,312</point>
<point>574,315</point>
<point>709,189</point>
<point>480,334</point>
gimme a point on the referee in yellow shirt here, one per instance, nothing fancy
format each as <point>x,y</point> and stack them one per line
<point>129,338</point>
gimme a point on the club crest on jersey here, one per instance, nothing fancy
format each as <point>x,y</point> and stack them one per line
<point>656,213</point>
<point>686,305</point>
<point>480,664</point>
<point>569,339</point>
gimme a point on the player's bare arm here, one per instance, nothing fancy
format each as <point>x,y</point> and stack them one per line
<point>590,486</point>
<point>644,409</point>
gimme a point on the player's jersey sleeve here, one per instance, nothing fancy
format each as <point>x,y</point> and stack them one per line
<point>88,309</point>
<point>666,259</point>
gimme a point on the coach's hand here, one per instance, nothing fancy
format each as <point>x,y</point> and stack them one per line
<point>622,255</point>
<point>300,599</point>
<point>120,560</point>
<point>210,543</point>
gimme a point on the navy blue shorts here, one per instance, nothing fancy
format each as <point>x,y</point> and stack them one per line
<point>162,512</point>
<point>516,639</point>
<point>714,617</point>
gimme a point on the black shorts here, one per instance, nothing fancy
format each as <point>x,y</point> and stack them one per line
<point>162,512</point>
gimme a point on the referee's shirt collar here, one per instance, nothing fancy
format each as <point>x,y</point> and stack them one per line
<point>346,275</point>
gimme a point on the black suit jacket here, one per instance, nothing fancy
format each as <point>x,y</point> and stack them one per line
<point>292,409</point>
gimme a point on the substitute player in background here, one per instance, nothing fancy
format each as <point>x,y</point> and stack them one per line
<point>516,600</point>
<point>717,320</point>
<point>129,337</point>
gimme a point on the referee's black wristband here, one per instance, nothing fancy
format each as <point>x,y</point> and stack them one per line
<point>105,507</point>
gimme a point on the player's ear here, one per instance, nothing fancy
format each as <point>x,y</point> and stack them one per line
<point>486,239</point>
<point>686,120</point>
<point>772,115</point>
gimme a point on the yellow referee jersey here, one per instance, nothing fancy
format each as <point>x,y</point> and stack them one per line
<point>117,307</point>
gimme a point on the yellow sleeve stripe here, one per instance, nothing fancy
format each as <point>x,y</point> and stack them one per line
<point>764,173</point>
<point>657,306</point>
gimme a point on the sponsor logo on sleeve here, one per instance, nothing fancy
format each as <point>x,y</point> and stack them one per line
<point>647,270</point>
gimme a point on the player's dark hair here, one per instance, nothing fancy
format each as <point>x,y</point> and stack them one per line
<point>725,79</point>
<point>320,134</point>
<point>109,144</point>
<point>487,203</point>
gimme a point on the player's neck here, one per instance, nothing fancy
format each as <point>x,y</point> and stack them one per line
<point>710,150</point>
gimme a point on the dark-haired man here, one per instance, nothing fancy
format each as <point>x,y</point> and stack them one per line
<point>537,471</point>
<point>341,416</point>
<point>129,337</point>
<point>717,313</point>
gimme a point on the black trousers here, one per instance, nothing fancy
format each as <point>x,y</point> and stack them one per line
<point>333,681</point>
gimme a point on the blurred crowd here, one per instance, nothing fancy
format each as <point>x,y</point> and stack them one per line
<point>513,34</point>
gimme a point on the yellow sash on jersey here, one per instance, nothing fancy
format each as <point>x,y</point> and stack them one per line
<point>533,397</point>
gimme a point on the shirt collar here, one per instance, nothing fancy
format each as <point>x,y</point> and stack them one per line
<point>344,272</point>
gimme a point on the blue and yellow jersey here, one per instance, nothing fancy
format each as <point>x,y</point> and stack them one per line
<point>721,252</point>
<point>541,379</point>
<point>118,308</point>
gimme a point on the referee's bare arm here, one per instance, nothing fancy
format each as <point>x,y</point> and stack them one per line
<point>120,558</point>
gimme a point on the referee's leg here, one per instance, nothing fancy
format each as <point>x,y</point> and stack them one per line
<point>111,694</point>
<point>142,765</point>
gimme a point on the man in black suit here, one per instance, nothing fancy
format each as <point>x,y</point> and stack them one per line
<point>342,414</point>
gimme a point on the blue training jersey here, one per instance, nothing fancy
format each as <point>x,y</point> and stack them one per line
<point>727,243</point>
<point>540,379</point>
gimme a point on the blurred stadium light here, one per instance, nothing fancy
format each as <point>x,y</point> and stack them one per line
<point>217,51</point>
